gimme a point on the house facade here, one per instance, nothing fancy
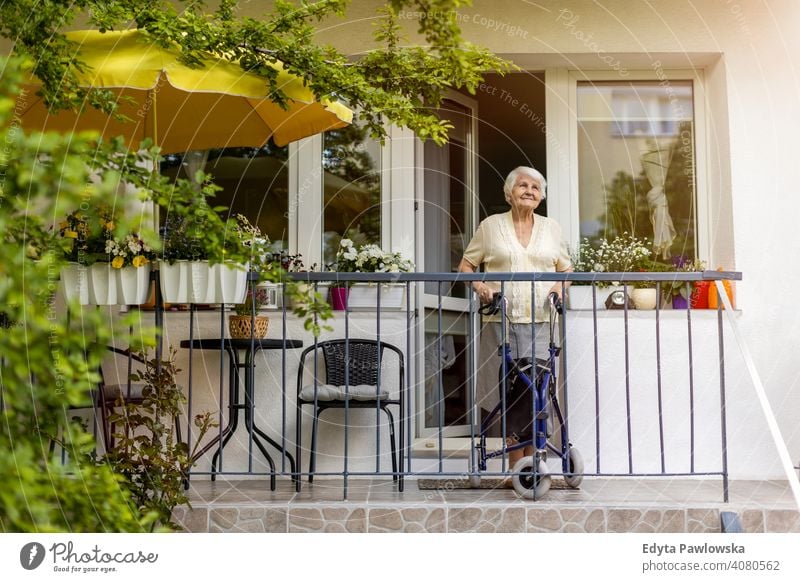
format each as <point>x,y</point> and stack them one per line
<point>706,89</point>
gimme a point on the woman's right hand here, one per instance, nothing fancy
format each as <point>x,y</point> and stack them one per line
<point>483,291</point>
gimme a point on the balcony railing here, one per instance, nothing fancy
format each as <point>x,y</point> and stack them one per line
<point>643,393</point>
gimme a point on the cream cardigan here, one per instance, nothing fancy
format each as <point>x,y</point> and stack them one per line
<point>496,246</point>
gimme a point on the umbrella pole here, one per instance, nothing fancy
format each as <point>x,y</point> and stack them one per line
<point>152,132</point>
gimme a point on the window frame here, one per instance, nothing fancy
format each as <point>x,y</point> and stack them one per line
<point>306,187</point>
<point>561,103</point>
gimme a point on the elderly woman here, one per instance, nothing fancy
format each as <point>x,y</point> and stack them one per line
<point>517,241</point>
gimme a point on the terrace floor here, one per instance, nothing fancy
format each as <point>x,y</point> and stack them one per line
<point>442,505</point>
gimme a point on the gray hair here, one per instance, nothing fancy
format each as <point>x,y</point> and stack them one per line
<point>524,171</point>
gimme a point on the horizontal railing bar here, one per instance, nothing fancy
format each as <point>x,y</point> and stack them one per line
<point>389,473</point>
<point>538,276</point>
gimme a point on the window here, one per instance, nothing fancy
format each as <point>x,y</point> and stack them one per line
<point>351,161</point>
<point>254,181</point>
<point>636,163</point>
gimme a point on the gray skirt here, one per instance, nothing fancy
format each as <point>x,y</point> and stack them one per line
<point>489,361</point>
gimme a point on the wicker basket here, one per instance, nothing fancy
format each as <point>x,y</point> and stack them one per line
<point>239,326</point>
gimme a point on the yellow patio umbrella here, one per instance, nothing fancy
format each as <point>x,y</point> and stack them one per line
<point>183,108</point>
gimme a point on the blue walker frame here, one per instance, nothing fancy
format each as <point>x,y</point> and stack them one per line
<point>544,393</point>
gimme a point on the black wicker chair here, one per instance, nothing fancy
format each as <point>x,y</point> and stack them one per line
<point>358,384</point>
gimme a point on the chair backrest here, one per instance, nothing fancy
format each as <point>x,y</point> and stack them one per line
<point>355,362</point>
<point>116,370</point>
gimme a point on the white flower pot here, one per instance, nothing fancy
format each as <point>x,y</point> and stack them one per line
<point>102,284</point>
<point>200,285</point>
<point>174,281</point>
<point>133,285</point>
<point>365,296</point>
<point>199,282</point>
<point>228,283</point>
<point>579,297</point>
<point>644,298</point>
<point>75,282</point>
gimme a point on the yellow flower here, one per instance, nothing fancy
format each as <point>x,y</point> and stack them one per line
<point>70,234</point>
<point>139,261</point>
<point>109,225</point>
<point>64,224</point>
<point>117,262</point>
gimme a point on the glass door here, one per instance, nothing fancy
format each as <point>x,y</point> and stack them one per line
<point>450,179</point>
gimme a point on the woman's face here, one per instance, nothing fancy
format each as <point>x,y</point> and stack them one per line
<point>526,193</point>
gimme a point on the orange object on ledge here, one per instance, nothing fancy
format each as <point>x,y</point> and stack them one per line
<point>713,296</point>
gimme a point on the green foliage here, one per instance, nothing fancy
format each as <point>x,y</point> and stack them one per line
<point>146,451</point>
<point>396,80</point>
<point>309,305</point>
<point>48,362</point>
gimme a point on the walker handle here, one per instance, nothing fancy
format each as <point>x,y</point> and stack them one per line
<point>493,307</point>
<point>555,302</point>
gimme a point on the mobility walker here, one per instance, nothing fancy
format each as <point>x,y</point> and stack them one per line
<point>529,397</point>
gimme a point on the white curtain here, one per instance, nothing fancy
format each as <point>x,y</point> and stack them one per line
<point>655,161</point>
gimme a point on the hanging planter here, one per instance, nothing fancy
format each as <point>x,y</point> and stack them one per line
<point>102,284</point>
<point>228,283</point>
<point>175,281</point>
<point>365,296</point>
<point>75,282</point>
<point>133,285</point>
<point>199,289</point>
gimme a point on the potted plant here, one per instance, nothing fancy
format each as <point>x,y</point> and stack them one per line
<point>206,259</point>
<point>368,258</point>
<point>105,266</point>
<point>246,322</point>
<point>131,259</point>
<point>624,253</point>
<point>645,293</point>
<point>679,293</point>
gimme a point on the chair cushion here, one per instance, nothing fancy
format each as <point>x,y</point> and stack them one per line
<point>329,392</point>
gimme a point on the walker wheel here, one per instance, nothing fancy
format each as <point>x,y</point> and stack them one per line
<point>574,474</point>
<point>527,484</point>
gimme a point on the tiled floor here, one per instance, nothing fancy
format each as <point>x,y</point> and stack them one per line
<point>600,505</point>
